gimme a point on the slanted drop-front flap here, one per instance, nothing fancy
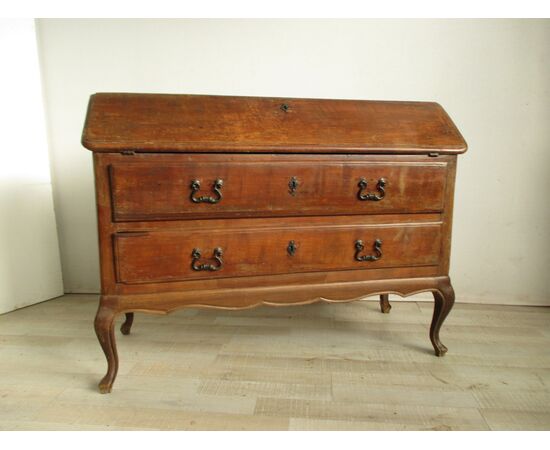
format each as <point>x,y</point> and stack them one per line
<point>217,124</point>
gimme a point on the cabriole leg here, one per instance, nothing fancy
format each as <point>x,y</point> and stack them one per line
<point>104,329</point>
<point>444,300</point>
<point>127,325</point>
<point>385,303</point>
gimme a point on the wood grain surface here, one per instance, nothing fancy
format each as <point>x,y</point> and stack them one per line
<point>146,257</point>
<point>157,187</point>
<point>204,123</point>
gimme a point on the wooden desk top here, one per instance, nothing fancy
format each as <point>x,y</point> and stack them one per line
<point>219,124</point>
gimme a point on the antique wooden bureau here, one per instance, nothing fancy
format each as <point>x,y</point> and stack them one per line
<point>234,202</point>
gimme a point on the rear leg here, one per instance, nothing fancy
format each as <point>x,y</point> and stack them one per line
<point>385,303</point>
<point>127,325</point>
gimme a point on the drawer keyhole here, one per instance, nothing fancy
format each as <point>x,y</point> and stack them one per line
<point>291,248</point>
<point>293,186</point>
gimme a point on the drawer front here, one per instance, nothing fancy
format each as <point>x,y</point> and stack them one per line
<point>149,190</point>
<point>175,255</point>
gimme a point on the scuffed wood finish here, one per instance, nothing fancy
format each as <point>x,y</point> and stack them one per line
<point>157,187</point>
<point>147,154</point>
<point>204,123</point>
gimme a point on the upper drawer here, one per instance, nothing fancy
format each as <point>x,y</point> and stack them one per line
<point>163,190</point>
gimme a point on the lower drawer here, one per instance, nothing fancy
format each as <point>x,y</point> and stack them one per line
<point>176,255</point>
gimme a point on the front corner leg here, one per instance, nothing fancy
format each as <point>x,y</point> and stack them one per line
<point>444,299</point>
<point>385,303</point>
<point>127,325</point>
<point>104,329</point>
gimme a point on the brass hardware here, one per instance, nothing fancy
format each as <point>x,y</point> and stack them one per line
<point>196,255</point>
<point>359,247</point>
<point>195,187</point>
<point>380,186</point>
<point>293,186</point>
<point>285,107</point>
<point>292,247</point>
<point>127,152</point>
<point>433,154</point>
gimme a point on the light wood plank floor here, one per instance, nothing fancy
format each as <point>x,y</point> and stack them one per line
<point>316,367</point>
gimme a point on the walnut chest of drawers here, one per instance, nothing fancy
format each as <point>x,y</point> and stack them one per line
<point>233,202</point>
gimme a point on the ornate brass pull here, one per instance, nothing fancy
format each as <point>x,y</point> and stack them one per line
<point>196,255</point>
<point>195,187</point>
<point>374,197</point>
<point>359,247</point>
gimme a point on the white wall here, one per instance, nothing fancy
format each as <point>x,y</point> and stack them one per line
<point>493,77</point>
<point>30,265</point>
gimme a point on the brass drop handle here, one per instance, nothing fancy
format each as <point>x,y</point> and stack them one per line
<point>196,255</point>
<point>359,247</point>
<point>380,187</point>
<point>217,188</point>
